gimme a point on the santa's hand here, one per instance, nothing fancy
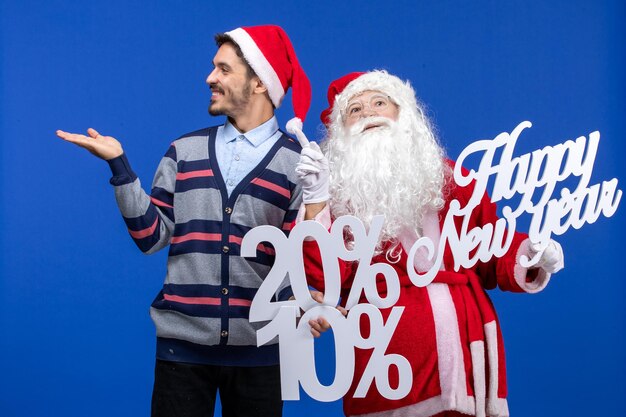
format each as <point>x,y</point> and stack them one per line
<point>551,259</point>
<point>320,324</point>
<point>312,169</point>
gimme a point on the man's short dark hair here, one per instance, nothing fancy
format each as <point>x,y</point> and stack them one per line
<point>222,38</point>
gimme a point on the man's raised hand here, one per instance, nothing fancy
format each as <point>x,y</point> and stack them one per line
<point>104,147</point>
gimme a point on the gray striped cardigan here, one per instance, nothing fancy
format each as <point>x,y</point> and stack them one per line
<point>201,313</point>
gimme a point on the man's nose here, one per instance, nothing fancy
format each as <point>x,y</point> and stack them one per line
<point>212,78</point>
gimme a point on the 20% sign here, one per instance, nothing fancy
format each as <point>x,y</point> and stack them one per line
<point>296,342</point>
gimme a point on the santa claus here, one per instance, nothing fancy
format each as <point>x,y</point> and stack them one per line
<point>381,156</point>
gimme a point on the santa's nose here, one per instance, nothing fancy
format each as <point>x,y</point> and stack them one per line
<point>367,112</point>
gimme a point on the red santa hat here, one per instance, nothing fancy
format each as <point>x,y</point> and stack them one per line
<point>269,52</point>
<point>343,89</point>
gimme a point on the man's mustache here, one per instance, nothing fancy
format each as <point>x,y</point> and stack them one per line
<point>216,88</point>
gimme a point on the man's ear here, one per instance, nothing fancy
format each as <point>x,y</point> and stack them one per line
<point>258,86</point>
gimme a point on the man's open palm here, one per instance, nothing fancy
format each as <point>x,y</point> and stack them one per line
<point>104,147</point>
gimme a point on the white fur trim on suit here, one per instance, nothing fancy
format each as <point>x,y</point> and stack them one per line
<point>429,407</point>
<point>400,91</point>
<point>449,351</point>
<point>492,406</point>
<point>477,350</point>
<point>496,407</point>
<point>259,64</point>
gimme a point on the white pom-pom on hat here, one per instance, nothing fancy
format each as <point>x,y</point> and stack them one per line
<point>294,124</point>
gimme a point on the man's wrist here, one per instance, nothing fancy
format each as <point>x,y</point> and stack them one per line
<point>121,170</point>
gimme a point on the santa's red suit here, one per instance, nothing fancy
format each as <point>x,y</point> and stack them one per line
<point>448,331</point>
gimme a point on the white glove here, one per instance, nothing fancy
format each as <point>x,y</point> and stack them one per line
<point>312,169</point>
<point>551,260</point>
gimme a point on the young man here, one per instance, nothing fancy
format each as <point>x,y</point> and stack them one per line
<point>383,158</point>
<point>212,186</point>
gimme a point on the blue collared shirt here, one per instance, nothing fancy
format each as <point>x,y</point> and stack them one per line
<point>237,153</point>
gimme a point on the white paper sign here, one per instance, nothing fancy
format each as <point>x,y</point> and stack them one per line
<point>533,176</point>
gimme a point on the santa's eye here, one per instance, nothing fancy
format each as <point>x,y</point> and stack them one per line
<point>354,109</point>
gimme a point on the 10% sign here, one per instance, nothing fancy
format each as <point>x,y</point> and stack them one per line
<point>296,344</point>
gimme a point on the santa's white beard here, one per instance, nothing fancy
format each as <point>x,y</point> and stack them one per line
<point>395,170</point>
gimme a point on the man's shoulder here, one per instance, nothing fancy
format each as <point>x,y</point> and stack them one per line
<point>290,143</point>
<point>200,134</point>
<point>192,145</point>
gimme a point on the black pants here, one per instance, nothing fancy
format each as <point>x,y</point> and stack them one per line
<point>189,390</point>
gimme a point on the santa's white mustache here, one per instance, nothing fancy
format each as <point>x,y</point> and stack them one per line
<point>370,122</point>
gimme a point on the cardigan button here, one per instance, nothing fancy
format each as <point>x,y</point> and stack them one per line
<point>225,249</point>
<point>228,210</point>
<point>225,291</point>
<point>224,333</point>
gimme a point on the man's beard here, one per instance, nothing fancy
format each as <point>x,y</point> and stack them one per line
<point>395,170</point>
<point>235,104</point>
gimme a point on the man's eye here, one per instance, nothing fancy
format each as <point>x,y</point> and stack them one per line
<point>379,103</point>
<point>354,110</point>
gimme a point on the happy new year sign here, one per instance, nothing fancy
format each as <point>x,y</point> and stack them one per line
<point>533,177</point>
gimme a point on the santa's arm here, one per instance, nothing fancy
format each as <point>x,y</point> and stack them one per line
<point>313,172</point>
<point>312,257</point>
<point>512,271</point>
<point>319,212</point>
<point>312,211</point>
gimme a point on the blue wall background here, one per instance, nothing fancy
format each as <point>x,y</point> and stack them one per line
<point>75,335</point>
